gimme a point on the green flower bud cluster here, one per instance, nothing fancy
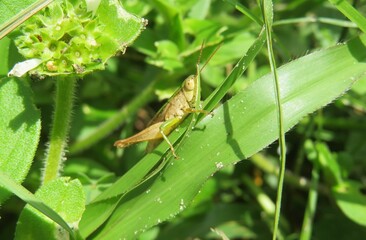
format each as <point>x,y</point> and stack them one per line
<point>66,38</point>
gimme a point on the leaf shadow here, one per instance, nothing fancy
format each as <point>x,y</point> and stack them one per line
<point>30,115</point>
<point>229,130</point>
<point>357,48</point>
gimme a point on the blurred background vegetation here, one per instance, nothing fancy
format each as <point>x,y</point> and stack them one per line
<point>238,199</point>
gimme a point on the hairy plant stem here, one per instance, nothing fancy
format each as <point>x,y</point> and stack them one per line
<point>65,87</point>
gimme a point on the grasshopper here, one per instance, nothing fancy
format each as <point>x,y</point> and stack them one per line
<point>178,107</point>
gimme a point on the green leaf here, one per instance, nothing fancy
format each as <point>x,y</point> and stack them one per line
<point>204,30</point>
<point>20,127</point>
<point>4,55</point>
<point>166,56</point>
<point>329,164</point>
<point>173,17</point>
<point>233,220</point>
<point>108,200</point>
<point>247,12</point>
<point>351,201</point>
<point>239,128</point>
<point>28,197</point>
<point>351,13</point>
<point>200,9</point>
<point>62,195</point>
<point>121,25</point>
<point>94,176</point>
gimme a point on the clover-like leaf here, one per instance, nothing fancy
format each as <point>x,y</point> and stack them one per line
<point>62,195</point>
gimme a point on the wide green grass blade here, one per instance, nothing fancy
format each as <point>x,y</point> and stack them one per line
<point>102,207</point>
<point>241,127</point>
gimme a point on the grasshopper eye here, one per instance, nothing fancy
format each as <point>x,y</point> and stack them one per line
<point>189,83</point>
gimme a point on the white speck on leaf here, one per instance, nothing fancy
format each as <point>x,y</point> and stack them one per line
<point>219,165</point>
<point>182,206</point>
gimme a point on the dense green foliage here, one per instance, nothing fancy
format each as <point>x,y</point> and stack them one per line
<point>225,181</point>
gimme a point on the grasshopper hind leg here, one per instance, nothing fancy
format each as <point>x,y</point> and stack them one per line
<point>166,128</point>
<point>169,143</point>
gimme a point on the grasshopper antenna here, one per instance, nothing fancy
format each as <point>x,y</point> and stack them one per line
<point>209,58</point>
<point>200,55</point>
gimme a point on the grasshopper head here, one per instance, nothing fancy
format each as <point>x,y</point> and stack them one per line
<point>189,88</point>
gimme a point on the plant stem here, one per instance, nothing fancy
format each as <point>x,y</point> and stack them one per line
<point>65,87</point>
<point>307,225</point>
<point>299,182</point>
<point>267,8</point>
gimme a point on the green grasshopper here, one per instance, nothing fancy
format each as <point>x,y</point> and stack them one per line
<point>178,107</point>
